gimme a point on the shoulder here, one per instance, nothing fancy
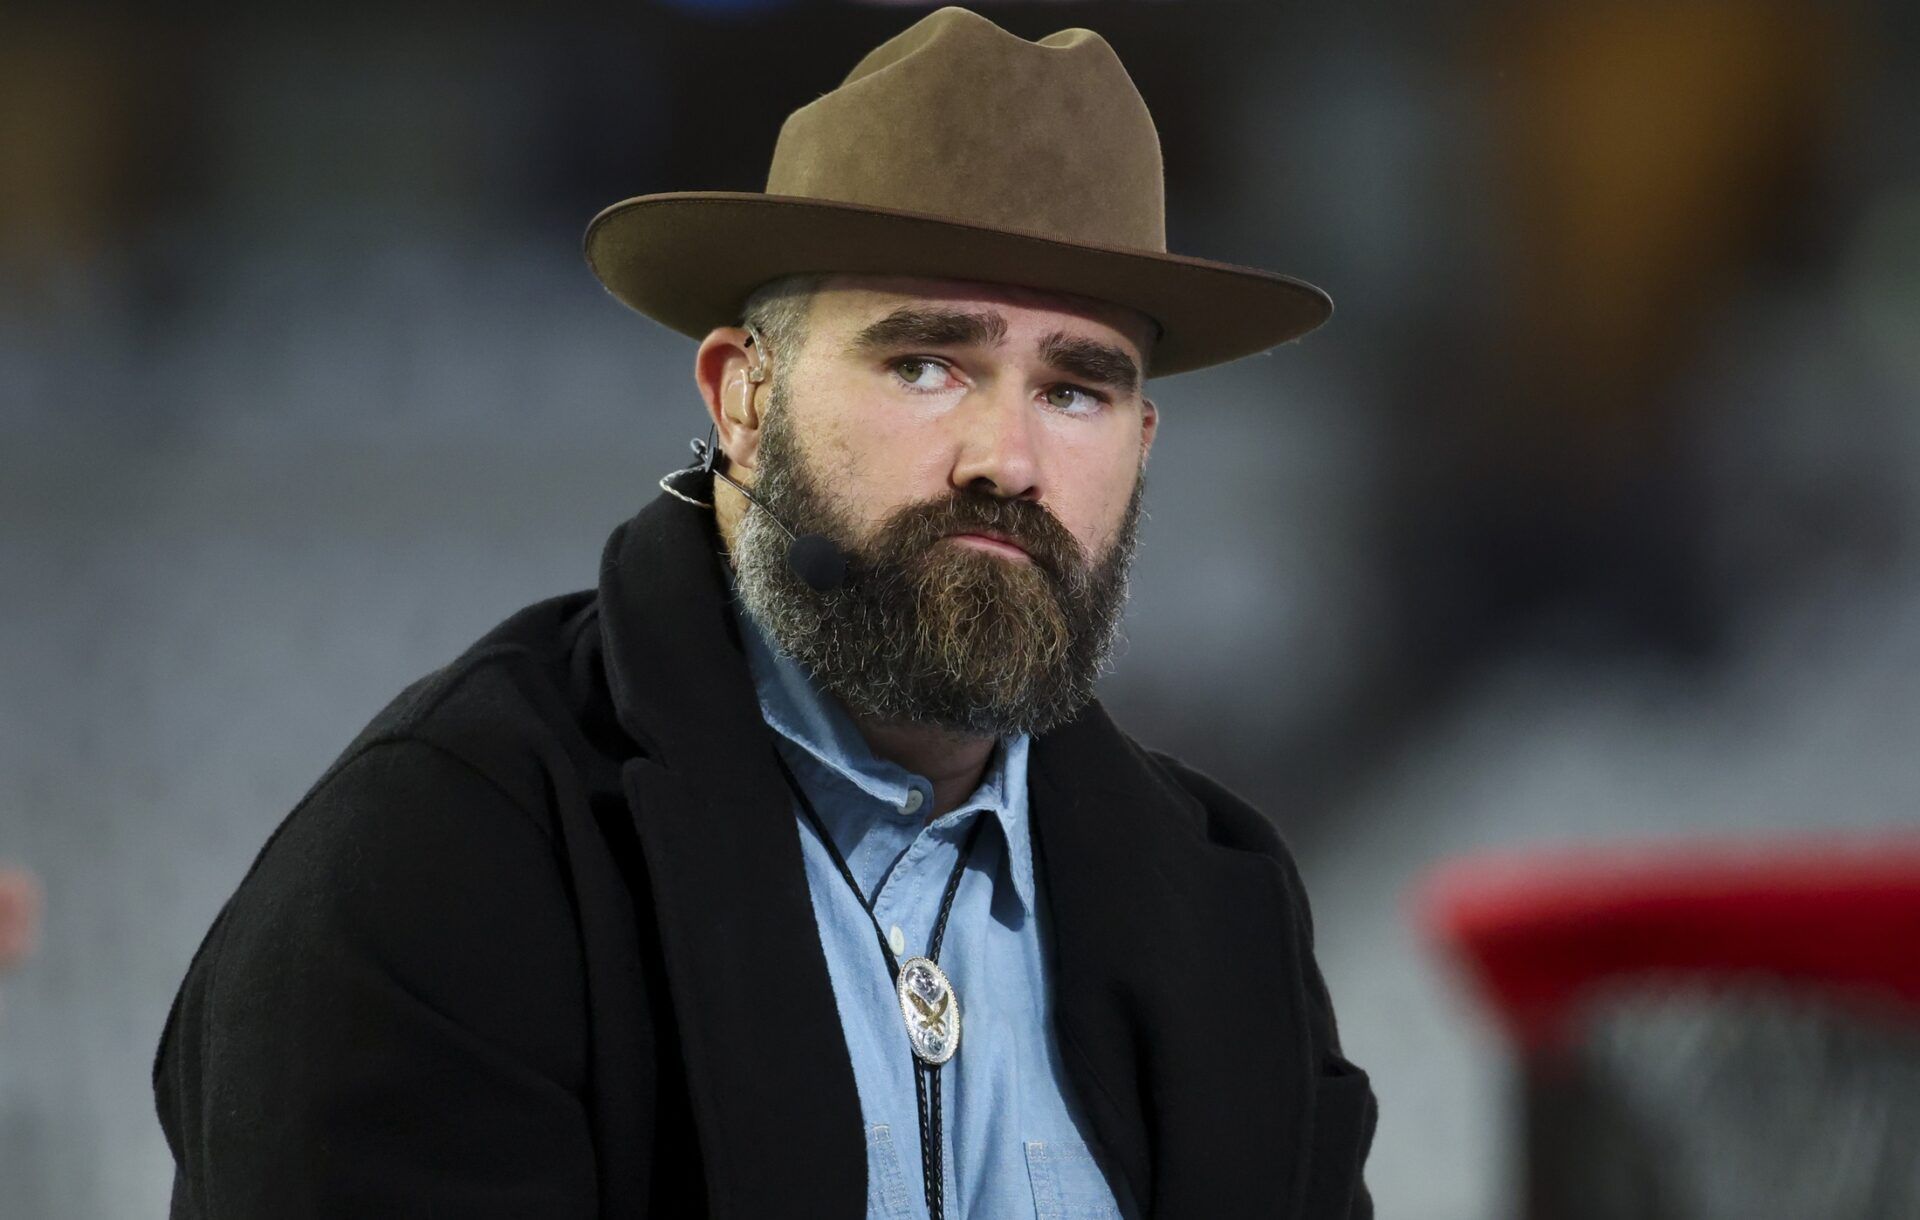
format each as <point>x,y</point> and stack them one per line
<point>1230,821</point>
<point>447,786</point>
<point>409,850</point>
<point>404,947</point>
<point>1174,796</point>
<point>504,707</point>
<point>427,852</point>
<point>405,904</point>
<point>1226,818</point>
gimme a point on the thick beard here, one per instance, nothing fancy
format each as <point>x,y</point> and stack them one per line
<point>930,632</point>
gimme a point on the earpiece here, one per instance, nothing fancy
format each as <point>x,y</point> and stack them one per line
<point>758,373</point>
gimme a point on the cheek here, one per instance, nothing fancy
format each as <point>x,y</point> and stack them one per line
<point>1094,485</point>
<point>873,461</point>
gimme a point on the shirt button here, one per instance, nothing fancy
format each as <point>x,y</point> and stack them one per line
<point>897,939</point>
<point>912,803</point>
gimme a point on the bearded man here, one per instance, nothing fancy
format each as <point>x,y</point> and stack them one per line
<point>794,870</point>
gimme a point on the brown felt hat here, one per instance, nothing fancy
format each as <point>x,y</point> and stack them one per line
<point>960,151</point>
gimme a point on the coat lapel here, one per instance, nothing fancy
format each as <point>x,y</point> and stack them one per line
<point>1178,993</point>
<point>772,1086</point>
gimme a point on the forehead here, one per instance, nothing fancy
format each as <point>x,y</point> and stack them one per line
<point>847,302</point>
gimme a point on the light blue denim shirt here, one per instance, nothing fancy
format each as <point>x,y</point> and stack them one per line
<point>1014,1142</point>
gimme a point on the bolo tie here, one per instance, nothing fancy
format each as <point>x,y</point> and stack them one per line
<point>929,1007</point>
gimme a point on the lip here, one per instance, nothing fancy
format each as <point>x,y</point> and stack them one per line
<point>988,540</point>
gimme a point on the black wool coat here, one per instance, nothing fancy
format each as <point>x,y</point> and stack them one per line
<point>539,943</point>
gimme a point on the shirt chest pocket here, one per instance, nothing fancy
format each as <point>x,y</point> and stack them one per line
<point>886,1184</point>
<point>1067,1183</point>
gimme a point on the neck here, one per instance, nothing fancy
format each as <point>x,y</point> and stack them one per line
<point>953,761</point>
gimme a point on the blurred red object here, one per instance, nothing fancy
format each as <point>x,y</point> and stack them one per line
<point>20,900</point>
<point>1541,932</point>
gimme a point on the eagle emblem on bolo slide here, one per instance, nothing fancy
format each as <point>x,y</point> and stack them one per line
<point>931,1010</point>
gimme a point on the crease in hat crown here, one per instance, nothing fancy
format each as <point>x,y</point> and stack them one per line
<point>957,150</point>
<point>957,117</point>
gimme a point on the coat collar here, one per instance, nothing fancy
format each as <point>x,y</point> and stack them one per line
<point>1177,980</point>
<point>767,1068</point>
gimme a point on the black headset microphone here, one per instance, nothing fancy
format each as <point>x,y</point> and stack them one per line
<point>815,558</point>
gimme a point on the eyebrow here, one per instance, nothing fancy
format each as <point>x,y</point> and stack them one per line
<point>918,326</point>
<point>1090,360</point>
<point>911,326</point>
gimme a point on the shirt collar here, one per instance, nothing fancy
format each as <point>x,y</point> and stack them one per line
<point>796,708</point>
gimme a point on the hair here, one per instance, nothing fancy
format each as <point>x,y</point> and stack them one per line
<point>778,310</point>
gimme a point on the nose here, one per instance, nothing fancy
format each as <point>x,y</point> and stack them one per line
<point>998,444</point>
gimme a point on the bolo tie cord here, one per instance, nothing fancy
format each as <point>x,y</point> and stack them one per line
<point>926,1076</point>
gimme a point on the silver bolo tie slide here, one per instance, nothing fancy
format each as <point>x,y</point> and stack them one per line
<point>931,1009</point>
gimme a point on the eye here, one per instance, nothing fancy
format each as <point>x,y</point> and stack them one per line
<point>920,372</point>
<point>1073,400</point>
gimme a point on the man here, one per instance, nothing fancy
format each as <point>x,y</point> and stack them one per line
<point>794,871</point>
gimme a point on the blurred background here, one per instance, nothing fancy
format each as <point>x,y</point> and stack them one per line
<point>1593,516</point>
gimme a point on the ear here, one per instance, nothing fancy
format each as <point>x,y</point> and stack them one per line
<point>724,369</point>
<point>1149,427</point>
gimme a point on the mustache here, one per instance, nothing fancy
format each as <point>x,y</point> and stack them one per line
<point>1028,524</point>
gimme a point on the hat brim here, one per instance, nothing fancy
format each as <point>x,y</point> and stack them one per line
<point>690,259</point>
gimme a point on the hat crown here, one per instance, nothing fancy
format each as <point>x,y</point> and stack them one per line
<point>957,118</point>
